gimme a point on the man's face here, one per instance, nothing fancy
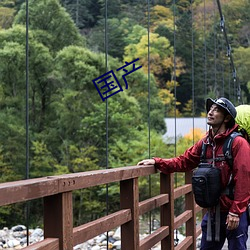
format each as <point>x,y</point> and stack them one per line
<point>215,116</point>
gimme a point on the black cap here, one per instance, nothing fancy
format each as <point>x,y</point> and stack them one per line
<point>223,103</point>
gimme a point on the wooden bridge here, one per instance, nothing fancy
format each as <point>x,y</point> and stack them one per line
<point>56,192</point>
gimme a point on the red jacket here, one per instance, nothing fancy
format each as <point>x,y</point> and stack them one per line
<point>241,167</point>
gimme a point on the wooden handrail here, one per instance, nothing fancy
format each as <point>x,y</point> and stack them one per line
<point>90,230</point>
<point>24,190</point>
<point>56,191</point>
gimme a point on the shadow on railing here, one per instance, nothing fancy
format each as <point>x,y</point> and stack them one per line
<point>56,192</point>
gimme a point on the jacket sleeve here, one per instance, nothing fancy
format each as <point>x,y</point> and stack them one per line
<point>183,163</point>
<point>241,175</point>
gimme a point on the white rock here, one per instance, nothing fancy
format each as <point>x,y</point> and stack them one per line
<point>80,246</point>
<point>180,236</point>
<point>23,240</point>
<point>103,243</point>
<point>18,228</point>
<point>18,247</point>
<point>100,238</point>
<point>13,243</point>
<point>91,242</point>
<point>111,233</point>
<point>117,244</point>
<point>38,232</point>
<point>19,234</point>
<point>95,248</point>
<point>3,233</point>
<point>117,235</point>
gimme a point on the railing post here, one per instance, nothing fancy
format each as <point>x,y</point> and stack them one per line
<point>129,198</point>
<point>167,210</point>
<point>58,219</point>
<point>190,205</point>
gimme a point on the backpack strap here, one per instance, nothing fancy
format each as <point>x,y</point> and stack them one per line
<point>227,148</point>
<point>203,155</point>
<point>203,152</point>
<point>227,151</point>
<point>217,207</point>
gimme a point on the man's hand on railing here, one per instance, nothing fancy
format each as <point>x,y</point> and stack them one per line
<point>146,162</point>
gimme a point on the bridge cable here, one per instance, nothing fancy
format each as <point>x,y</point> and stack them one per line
<point>205,48</point>
<point>149,120</point>
<point>221,45</point>
<point>229,54</point>
<point>175,102</point>
<point>215,50</point>
<point>106,111</point>
<point>173,76</point>
<point>27,204</point>
<point>192,73</point>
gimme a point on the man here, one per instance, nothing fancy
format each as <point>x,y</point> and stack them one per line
<point>221,115</point>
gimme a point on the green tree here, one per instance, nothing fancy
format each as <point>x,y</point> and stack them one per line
<point>161,62</point>
<point>6,17</point>
<point>158,45</point>
<point>12,108</point>
<point>84,13</point>
<point>40,66</point>
<point>161,16</point>
<point>13,148</point>
<point>42,162</point>
<point>53,25</point>
<point>242,64</point>
<point>117,32</point>
<point>13,60</point>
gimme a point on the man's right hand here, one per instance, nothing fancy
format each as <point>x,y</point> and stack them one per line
<point>146,162</point>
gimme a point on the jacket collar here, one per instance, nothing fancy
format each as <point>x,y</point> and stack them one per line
<point>221,136</point>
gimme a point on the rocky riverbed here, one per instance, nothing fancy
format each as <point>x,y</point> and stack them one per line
<point>16,238</point>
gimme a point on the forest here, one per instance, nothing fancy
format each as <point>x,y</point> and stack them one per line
<point>52,119</point>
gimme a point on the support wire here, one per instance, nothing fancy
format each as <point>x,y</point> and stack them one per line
<point>107,124</point>
<point>175,95</point>
<point>229,54</point>
<point>192,76</point>
<point>205,50</point>
<point>149,121</point>
<point>27,207</point>
<point>215,54</point>
<point>174,75</point>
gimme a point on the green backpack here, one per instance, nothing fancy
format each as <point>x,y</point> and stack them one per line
<point>243,120</point>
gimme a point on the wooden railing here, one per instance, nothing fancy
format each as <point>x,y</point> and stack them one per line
<point>59,232</point>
